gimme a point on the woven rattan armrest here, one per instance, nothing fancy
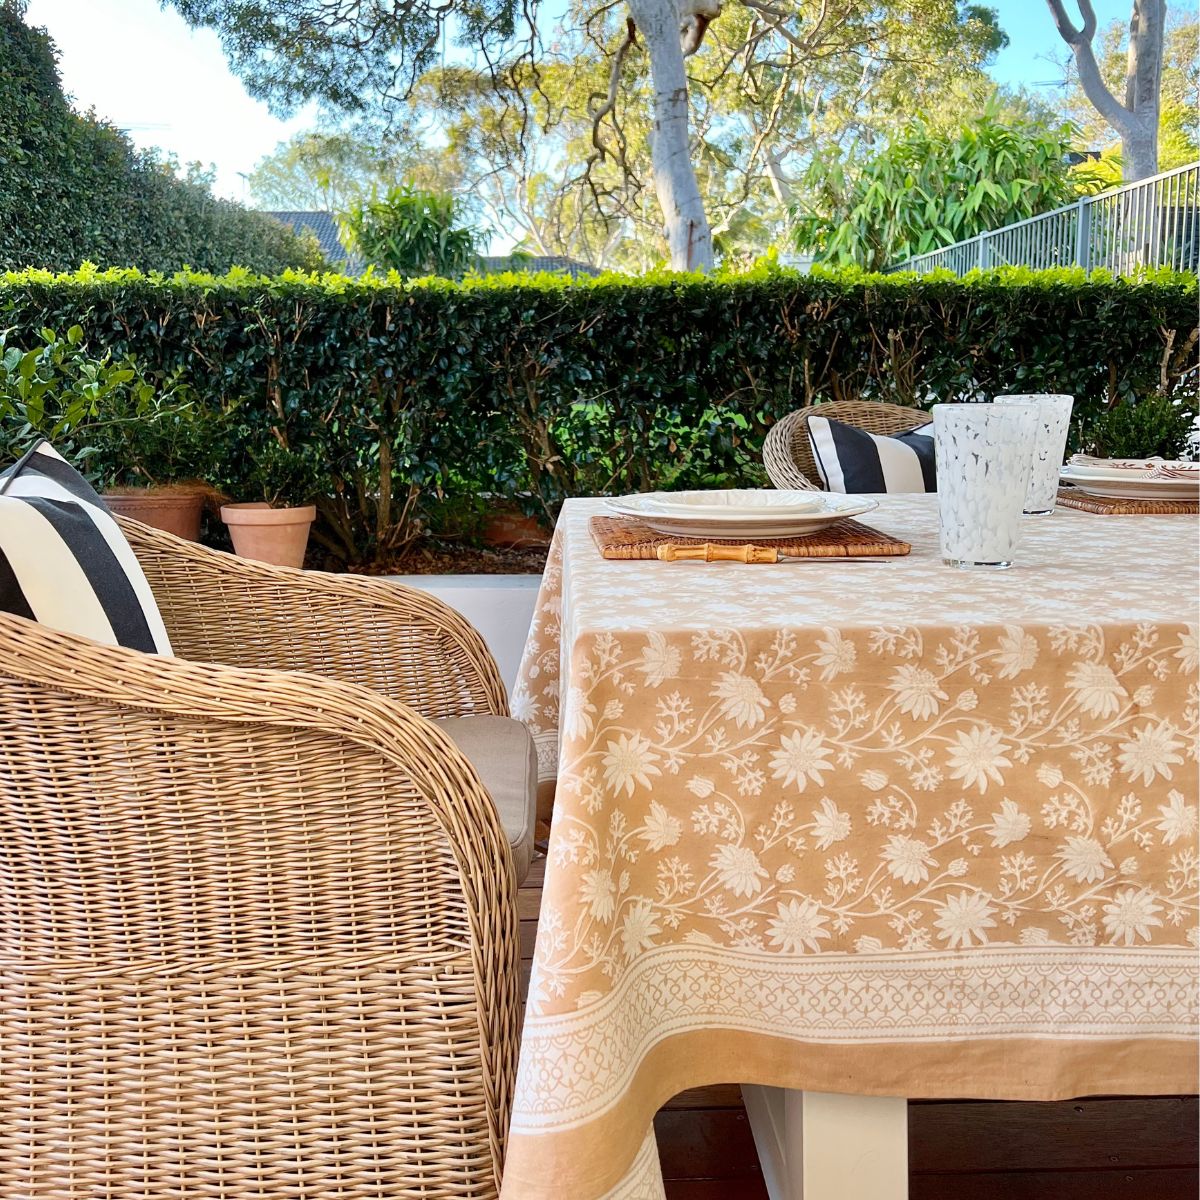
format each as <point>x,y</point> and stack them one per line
<point>192,853</point>
<point>395,640</point>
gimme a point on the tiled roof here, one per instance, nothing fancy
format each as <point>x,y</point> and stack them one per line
<point>324,228</point>
<point>559,264</point>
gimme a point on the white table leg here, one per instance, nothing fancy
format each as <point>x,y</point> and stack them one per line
<point>826,1146</point>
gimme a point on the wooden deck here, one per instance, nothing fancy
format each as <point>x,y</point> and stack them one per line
<point>1106,1148</point>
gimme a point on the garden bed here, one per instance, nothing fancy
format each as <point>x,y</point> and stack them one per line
<point>433,557</point>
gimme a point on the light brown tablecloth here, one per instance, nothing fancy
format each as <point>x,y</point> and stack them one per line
<point>880,828</point>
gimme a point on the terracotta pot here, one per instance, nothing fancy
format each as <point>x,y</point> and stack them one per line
<point>176,510</point>
<point>270,535</point>
<point>511,529</point>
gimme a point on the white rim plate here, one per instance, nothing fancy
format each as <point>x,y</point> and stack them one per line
<point>833,508</point>
<point>1126,487</point>
<point>1133,469</point>
<point>745,502</point>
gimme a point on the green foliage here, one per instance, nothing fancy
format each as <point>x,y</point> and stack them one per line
<point>346,56</point>
<point>410,231</point>
<point>930,187</point>
<point>1157,426</point>
<point>510,130</point>
<point>99,411</point>
<point>73,189</point>
<point>367,395</point>
<point>326,172</point>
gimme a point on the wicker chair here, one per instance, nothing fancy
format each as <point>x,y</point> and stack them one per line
<point>787,450</point>
<point>397,641</point>
<point>258,930</point>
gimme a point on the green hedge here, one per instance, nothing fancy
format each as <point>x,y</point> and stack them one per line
<point>73,188</point>
<point>534,385</point>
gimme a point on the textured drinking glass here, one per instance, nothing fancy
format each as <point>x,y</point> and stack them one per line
<point>1050,447</point>
<point>984,453</point>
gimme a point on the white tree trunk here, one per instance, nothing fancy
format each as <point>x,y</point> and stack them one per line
<point>1135,121</point>
<point>689,238</point>
<point>1143,85</point>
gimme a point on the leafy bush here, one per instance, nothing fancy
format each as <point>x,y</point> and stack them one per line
<point>410,231</point>
<point>1157,426</point>
<point>73,189</point>
<point>100,412</point>
<point>373,392</point>
<point>929,188</point>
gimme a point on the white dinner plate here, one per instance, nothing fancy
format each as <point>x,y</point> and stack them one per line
<point>1130,486</point>
<point>748,502</point>
<point>1133,468</point>
<point>831,508</point>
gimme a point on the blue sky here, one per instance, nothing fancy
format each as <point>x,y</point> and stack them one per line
<point>147,72</point>
<point>1033,40</point>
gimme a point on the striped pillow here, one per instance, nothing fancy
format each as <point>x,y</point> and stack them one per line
<point>64,561</point>
<point>853,461</point>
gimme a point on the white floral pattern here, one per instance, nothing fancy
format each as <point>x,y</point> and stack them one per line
<point>734,779</point>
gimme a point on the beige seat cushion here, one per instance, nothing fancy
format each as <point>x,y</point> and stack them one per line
<point>502,752</point>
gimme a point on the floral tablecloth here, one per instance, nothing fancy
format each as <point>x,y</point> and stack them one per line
<point>881,828</point>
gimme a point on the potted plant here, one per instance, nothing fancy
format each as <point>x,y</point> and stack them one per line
<point>274,525</point>
<point>132,439</point>
<point>1151,426</point>
<point>143,455</point>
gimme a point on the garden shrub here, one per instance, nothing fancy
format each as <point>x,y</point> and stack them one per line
<point>119,428</point>
<point>74,189</point>
<point>369,393</point>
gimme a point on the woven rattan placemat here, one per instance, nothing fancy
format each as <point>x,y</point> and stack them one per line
<point>625,538</point>
<point>1111,506</point>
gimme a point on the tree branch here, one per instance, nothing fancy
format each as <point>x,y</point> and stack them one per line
<point>610,100</point>
<point>1090,78</point>
<point>774,18</point>
<point>1066,30</point>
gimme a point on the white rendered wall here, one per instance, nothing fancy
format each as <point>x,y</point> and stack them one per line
<point>499,606</point>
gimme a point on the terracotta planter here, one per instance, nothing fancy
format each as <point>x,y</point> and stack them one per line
<point>176,510</point>
<point>270,535</point>
<point>511,529</point>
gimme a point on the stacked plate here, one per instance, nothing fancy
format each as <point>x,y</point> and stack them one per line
<point>1133,478</point>
<point>740,512</point>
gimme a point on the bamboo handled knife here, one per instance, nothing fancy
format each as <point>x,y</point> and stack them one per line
<point>707,552</point>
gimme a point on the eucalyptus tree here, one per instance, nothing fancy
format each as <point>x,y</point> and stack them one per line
<point>559,152</point>
<point>1135,117</point>
<point>1179,95</point>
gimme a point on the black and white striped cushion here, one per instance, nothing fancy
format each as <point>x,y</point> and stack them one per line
<point>64,561</point>
<point>851,460</point>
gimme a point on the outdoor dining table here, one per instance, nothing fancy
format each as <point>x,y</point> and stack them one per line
<point>864,831</point>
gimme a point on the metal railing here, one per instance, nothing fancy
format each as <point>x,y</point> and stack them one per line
<point>1152,223</point>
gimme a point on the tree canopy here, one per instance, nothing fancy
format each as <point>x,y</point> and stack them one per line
<point>327,171</point>
<point>554,120</point>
